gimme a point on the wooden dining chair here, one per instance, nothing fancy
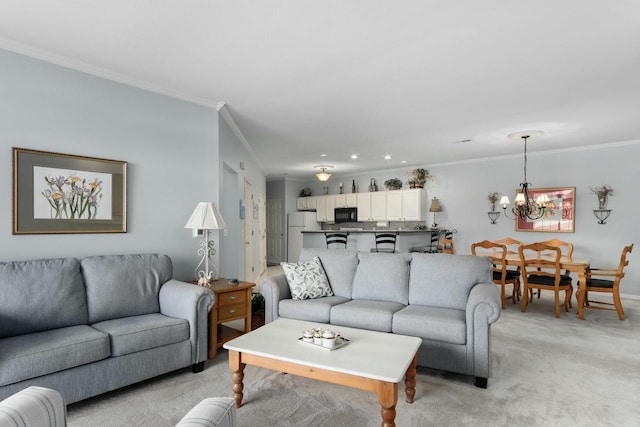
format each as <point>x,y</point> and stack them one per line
<point>385,242</point>
<point>611,285</point>
<point>501,275</point>
<point>336,239</point>
<point>512,249</point>
<point>566,249</point>
<point>540,267</point>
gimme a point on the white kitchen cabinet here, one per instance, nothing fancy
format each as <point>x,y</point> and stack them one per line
<point>307,203</point>
<point>406,205</point>
<point>371,206</point>
<point>347,200</point>
<point>325,208</point>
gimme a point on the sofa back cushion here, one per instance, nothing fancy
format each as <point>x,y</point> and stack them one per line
<point>339,265</point>
<point>41,295</point>
<point>442,280</point>
<point>124,285</point>
<point>382,277</point>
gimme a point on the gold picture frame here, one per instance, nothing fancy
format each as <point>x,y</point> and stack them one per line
<point>55,193</point>
<point>559,218</point>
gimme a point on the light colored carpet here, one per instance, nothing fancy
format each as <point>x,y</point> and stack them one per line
<point>545,372</point>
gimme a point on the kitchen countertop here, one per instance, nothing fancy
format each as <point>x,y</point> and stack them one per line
<point>383,230</point>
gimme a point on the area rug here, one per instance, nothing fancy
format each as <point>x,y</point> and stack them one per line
<point>545,372</point>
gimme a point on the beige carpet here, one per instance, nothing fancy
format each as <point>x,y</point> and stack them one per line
<point>545,372</point>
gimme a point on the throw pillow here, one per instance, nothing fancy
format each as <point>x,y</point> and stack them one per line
<point>307,280</point>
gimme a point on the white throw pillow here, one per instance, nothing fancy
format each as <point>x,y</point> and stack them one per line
<point>307,280</point>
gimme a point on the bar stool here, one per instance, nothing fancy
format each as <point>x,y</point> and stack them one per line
<point>385,242</point>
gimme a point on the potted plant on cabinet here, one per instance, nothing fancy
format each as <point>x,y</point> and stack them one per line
<point>393,184</point>
<point>418,178</point>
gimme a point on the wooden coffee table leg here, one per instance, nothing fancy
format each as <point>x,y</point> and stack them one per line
<point>410,380</point>
<point>388,397</point>
<point>238,375</point>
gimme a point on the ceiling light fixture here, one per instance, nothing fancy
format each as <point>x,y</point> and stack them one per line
<point>524,206</point>
<point>387,157</point>
<point>354,156</point>
<point>323,175</point>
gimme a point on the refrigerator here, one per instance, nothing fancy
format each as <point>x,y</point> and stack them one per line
<point>296,223</point>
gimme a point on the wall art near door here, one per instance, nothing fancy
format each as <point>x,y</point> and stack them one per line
<point>559,216</point>
<point>56,193</point>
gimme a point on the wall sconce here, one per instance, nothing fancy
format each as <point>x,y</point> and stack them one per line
<point>603,194</point>
<point>493,213</point>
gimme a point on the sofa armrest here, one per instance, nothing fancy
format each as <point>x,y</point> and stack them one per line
<point>34,406</point>
<point>274,289</point>
<point>185,301</point>
<point>213,411</point>
<point>483,309</point>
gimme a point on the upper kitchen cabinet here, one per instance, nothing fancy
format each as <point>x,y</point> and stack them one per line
<point>307,203</point>
<point>406,205</point>
<point>325,208</point>
<point>371,206</point>
<point>347,200</point>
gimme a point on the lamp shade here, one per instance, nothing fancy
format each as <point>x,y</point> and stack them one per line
<point>206,217</point>
<point>435,205</point>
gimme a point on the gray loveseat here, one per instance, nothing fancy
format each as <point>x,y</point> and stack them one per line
<point>449,301</point>
<point>85,327</point>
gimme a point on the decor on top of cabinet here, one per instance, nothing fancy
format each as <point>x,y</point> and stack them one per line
<point>305,192</point>
<point>493,213</point>
<point>603,193</point>
<point>393,184</point>
<point>418,178</point>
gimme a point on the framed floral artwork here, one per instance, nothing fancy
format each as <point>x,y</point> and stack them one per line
<point>56,193</point>
<point>559,216</point>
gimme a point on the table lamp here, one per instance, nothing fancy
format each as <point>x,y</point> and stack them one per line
<point>206,217</point>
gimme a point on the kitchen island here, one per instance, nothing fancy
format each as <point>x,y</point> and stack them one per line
<point>364,240</point>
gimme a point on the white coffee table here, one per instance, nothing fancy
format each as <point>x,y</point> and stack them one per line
<point>371,361</point>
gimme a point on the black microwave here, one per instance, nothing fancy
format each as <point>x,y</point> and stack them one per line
<point>346,215</point>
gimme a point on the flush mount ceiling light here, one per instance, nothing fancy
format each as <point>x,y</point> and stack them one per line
<point>323,175</point>
<point>354,156</point>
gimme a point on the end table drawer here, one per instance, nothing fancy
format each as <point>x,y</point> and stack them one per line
<point>229,298</point>
<point>232,311</point>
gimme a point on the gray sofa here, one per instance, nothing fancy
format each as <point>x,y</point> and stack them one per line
<point>449,301</point>
<point>44,407</point>
<point>85,327</point>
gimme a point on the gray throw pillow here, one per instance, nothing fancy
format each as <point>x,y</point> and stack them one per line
<point>307,280</point>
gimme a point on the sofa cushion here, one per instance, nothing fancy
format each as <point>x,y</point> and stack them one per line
<point>306,279</point>
<point>41,353</point>
<point>443,280</point>
<point>432,323</point>
<point>312,310</point>
<point>124,285</point>
<point>138,333</point>
<point>365,314</point>
<point>382,277</point>
<point>339,266</point>
<point>41,295</point>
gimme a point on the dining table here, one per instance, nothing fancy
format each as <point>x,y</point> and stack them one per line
<point>577,265</point>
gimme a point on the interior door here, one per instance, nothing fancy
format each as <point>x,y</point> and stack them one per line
<point>248,232</point>
<point>275,231</point>
<point>262,233</point>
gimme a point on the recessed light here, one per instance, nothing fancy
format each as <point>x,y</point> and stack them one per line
<point>323,155</point>
<point>387,157</point>
<point>354,156</point>
<point>403,161</point>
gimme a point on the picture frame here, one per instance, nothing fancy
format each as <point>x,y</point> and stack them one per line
<point>55,193</point>
<point>560,218</point>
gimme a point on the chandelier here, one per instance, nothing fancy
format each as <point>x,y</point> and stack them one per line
<point>323,175</point>
<point>524,206</point>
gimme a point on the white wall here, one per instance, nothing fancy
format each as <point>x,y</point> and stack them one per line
<point>172,148</point>
<point>462,189</point>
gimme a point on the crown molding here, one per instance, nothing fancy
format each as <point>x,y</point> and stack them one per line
<point>81,66</point>
<point>221,107</point>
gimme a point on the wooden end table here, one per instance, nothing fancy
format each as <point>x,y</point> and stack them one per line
<point>232,302</point>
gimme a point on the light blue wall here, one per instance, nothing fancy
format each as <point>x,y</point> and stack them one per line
<point>463,188</point>
<point>171,147</point>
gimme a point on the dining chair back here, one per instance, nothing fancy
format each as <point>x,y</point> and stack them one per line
<point>609,285</point>
<point>540,266</point>
<point>501,275</point>
<point>512,249</point>
<point>385,242</point>
<point>336,239</point>
<point>567,250</point>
